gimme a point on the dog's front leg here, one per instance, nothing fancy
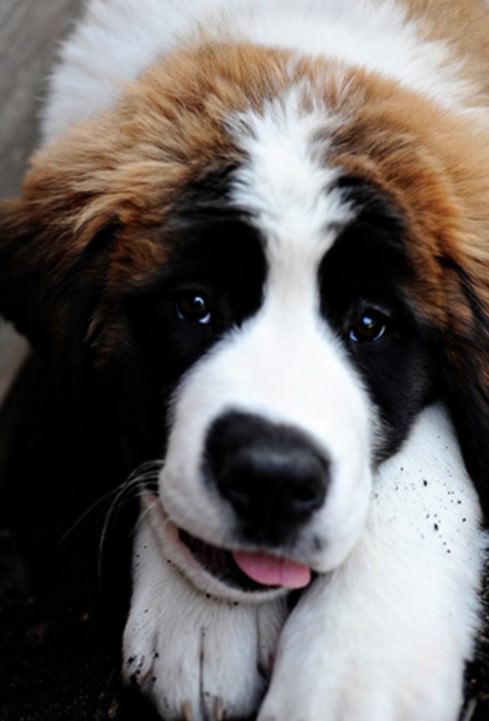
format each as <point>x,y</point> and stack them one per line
<point>195,656</point>
<point>386,636</point>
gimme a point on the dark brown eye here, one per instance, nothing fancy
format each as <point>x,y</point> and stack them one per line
<point>193,307</point>
<point>370,327</point>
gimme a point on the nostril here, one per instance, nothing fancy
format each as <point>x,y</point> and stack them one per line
<point>307,496</point>
<point>238,495</point>
<point>239,478</point>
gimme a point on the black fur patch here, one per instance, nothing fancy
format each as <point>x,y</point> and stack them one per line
<point>366,272</point>
<point>218,256</point>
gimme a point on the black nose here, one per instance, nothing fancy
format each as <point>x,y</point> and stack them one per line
<point>272,474</point>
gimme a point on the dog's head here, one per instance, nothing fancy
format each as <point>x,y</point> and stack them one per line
<point>266,266</point>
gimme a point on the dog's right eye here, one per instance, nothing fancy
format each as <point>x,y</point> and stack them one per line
<point>193,306</point>
<point>370,327</point>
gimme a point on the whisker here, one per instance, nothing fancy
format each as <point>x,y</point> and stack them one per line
<point>143,477</point>
<point>85,514</point>
<point>142,517</point>
<point>470,710</point>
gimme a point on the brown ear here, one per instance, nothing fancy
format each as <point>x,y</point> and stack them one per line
<point>43,256</point>
<point>55,236</point>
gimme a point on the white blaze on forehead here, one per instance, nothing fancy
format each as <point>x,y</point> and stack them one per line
<point>291,192</point>
<point>285,181</point>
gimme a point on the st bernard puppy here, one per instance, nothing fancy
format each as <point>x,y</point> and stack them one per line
<point>257,240</point>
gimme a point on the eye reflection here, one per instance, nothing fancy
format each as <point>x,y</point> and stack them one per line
<point>193,307</point>
<point>370,327</point>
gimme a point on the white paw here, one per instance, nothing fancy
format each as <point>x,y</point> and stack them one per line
<point>360,668</point>
<point>196,657</point>
<point>386,636</point>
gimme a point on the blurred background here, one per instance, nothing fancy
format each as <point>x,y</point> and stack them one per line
<point>30,32</point>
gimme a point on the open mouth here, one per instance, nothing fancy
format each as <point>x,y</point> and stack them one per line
<point>221,564</point>
<point>232,574</point>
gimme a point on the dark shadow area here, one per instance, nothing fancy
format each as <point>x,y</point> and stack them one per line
<point>64,598</point>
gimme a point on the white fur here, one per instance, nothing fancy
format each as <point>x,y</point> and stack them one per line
<point>286,366</point>
<point>197,657</point>
<point>382,638</point>
<point>118,39</point>
<point>386,636</point>
<point>285,182</point>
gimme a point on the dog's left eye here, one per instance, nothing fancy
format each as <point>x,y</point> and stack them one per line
<point>370,327</point>
<point>193,307</point>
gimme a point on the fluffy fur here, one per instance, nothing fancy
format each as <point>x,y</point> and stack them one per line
<point>385,636</point>
<point>256,237</point>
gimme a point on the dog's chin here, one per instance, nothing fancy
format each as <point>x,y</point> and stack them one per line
<point>210,569</point>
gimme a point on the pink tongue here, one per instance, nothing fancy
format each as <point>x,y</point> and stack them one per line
<point>272,570</point>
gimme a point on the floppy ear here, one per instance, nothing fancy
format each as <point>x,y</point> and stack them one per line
<point>51,253</point>
<point>63,268</point>
<point>466,374</point>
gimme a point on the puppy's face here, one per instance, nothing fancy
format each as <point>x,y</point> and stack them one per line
<point>303,363</point>
<point>261,268</point>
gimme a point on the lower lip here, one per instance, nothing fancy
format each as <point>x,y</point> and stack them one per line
<point>173,549</point>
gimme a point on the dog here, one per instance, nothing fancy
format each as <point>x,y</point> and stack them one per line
<point>255,236</point>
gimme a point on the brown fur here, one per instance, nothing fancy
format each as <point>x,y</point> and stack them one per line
<point>96,207</point>
<point>125,170</point>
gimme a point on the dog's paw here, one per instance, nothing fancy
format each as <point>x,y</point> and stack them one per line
<point>386,636</point>
<point>372,652</point>
<point>359,668</point>
<point>196,657</point>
